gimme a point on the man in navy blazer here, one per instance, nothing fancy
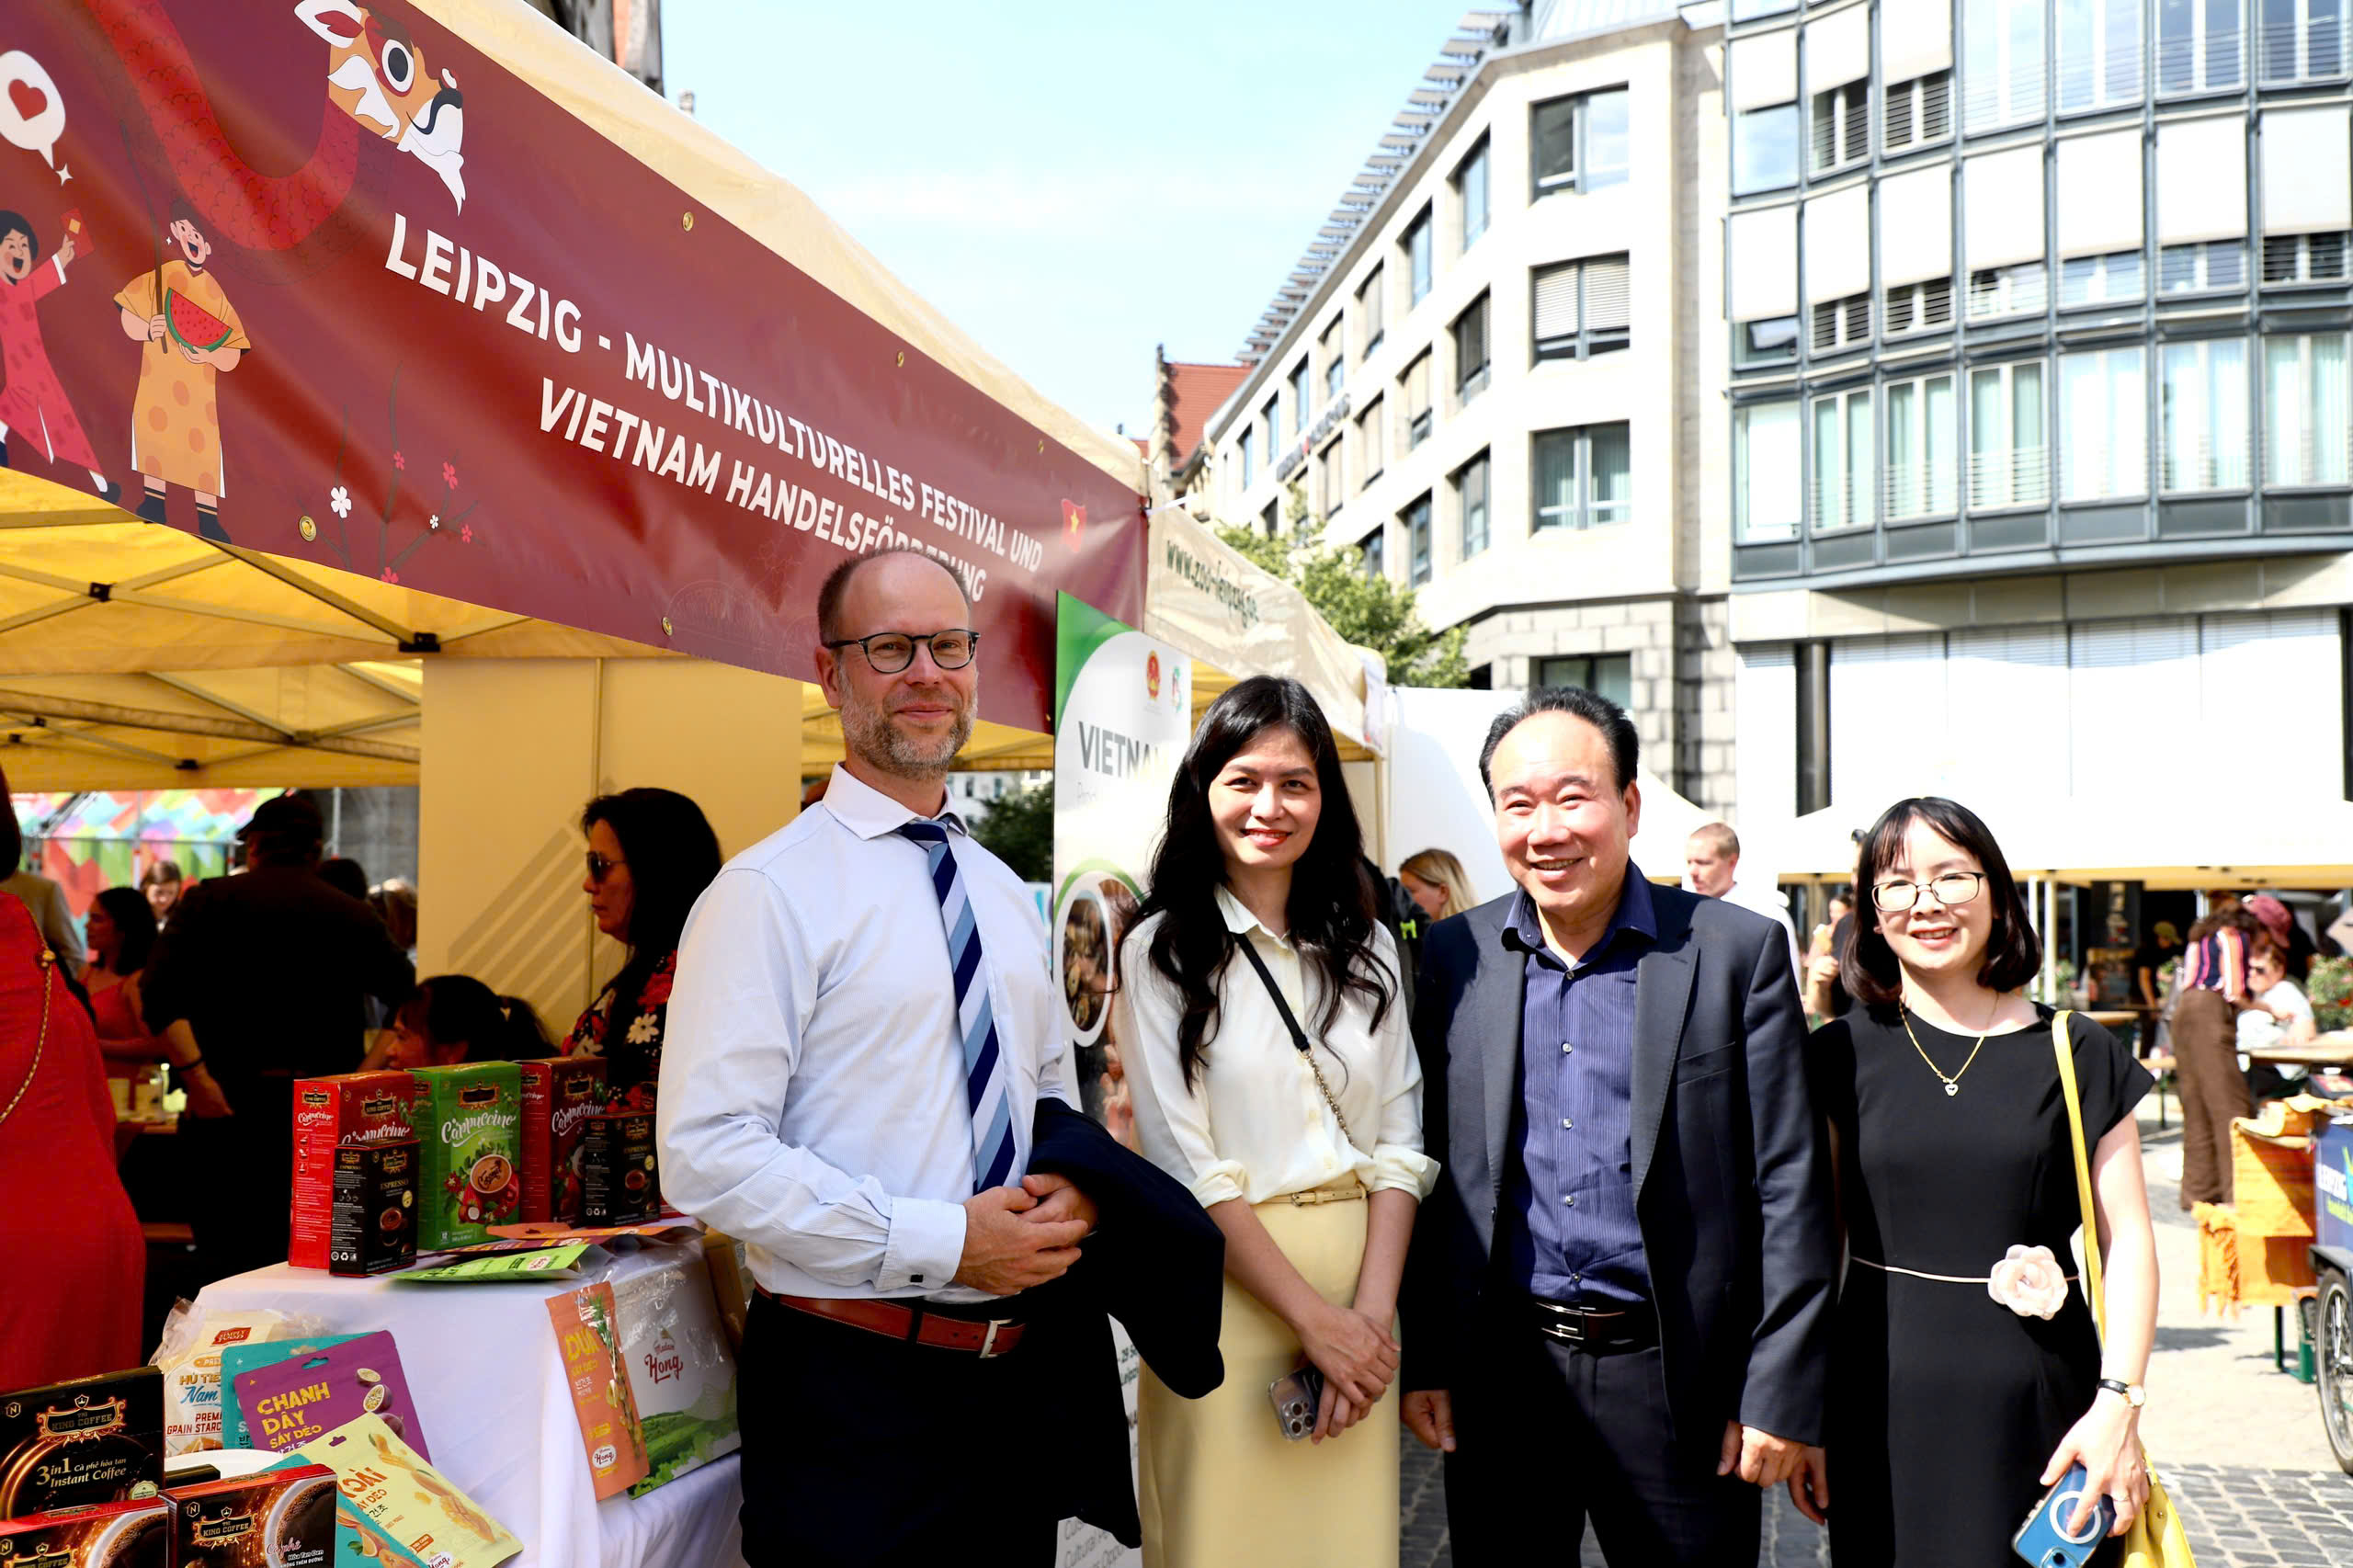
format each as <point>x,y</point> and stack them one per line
<point>1618,1298</point>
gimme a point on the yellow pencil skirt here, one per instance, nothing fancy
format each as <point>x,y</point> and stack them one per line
<point>1221,1486</point>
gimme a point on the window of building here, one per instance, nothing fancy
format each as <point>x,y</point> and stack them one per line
<point>1471,490</point>
<point>1842,460</point>
<point>1604,675</point>
<point>1471,193</point>
<point>1336,358</point>
<point>1583,478</point>
<point>1767,499</point>
<point>1375,553</point>
<point>2022,289</point>
<point>1920,307</point>
<point>1372,451</point>
<point>2009,454</point>
<point>1371,311</point>
<point>2120,278</point>
<point>2002,74</point>
<point>1331,476</point>
<point>1915,113</point>
<point>2099,53</point>
<point>2307,409</point>
<point>1773,341</point>
<point>2305,258</point>
<point>1273,413</point>
<point>1840,324</point>
<point>1842,126</point>
<point>1417,519</point>
<point>1299,410</point>
<point>2203,415</point>
<point>1764,149</point>
<point>1578,143</point>
<point>2209,268</point>
<point>1415,382</point>
<point>1249,468</point>
<point>1749,10</point>
<point>1923,449</point>
<point>1417,246</point>
<point>1581,308</point>
<point>1470,351</point>
<point>2103,425</point>
<point>1271,518</point>
<point>2297,40</point>
<point>2199,46</point>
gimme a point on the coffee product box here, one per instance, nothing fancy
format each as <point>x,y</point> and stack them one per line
<point>374,1223</point>
<point>559,1094</point>
<point>112,1535</point>
<point>284,1519</point>
<point>352,1110</point>
<point>620,1183</point>
<point>469,1121</point>
<point>79,1444</point>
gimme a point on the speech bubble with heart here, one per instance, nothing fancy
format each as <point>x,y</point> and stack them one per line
<point>32,115</point>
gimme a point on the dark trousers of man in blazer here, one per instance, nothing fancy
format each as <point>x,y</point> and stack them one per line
<point>1733,1203</point>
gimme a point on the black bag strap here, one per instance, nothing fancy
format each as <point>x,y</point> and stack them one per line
<point>1298,1036</point>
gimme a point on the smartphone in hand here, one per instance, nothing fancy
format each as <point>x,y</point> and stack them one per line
<point>1297,1398</point>
<point>2046,1541</point>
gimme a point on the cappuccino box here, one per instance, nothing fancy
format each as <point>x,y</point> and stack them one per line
<point>352,1110</point>
<point>112,1535</point>
<point>617,1176</point>
<point>469,1121</point>
<point>559,1094</point>
<point>284,1519</point>
<point>373,1229</point>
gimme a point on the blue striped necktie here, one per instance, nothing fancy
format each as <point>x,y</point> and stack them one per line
<point>987,1086</point>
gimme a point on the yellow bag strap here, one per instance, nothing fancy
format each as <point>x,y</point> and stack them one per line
<point>2065,1049</point>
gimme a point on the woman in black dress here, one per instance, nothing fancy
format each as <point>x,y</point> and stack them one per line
<point>1967,1375</point>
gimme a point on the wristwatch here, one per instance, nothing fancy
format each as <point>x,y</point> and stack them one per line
<point>2132,1394</point>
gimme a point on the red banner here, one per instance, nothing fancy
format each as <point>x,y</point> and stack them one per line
<point>322,280</point>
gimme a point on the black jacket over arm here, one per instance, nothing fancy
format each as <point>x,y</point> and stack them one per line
<point>1156,1263</point>
<point>1731,1177</point>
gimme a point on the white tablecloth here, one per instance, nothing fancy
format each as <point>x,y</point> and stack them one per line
<point>491,1395</point>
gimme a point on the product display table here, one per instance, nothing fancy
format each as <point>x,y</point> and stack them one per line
<point>489,1386</point>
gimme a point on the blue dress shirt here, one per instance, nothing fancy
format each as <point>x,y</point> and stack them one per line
<point>1573,1187</point>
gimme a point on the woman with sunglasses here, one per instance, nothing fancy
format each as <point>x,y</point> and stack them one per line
<point>1967,1375</point>
<point>651,853</point>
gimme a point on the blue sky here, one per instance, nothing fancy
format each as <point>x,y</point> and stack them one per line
<point>1070,184</point>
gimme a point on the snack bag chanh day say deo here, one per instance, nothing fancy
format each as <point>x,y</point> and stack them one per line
<point>469,1131</point>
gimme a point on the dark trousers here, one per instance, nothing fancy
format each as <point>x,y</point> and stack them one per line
<point>1549,1435</point>
<point>863,1452</point>
<point>2213,1090</point>
<point>240,1173</point>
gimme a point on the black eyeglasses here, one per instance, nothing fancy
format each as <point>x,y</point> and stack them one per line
<point>600,867</point>
<point>890,651</point>
<point>1951,888</point>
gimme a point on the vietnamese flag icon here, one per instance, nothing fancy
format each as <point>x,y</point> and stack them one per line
<point>1074,520</point>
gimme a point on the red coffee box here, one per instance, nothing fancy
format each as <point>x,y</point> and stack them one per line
<point>284,1519</point>
<point>112,1535</point>
<point>559,1095</point>
<point>352,1110</point>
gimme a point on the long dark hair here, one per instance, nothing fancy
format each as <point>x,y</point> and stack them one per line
<point>2013,952</point>
<point>134,926</point>
<point>673,856</point>
<point>453,1007</point>
<point>1331,907</point>
<point>12,837</point>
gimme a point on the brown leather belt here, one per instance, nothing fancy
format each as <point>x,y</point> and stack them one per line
<point>987,1338</point>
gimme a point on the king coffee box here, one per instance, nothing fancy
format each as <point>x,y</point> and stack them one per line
<point>353,1110</point>
<point>469,1121</point>
<point>284,1519</point>
<point>79,1444</point>
<point>617,1176</point>
<point>372,1229</point>
<point>112,1535</point>
<point>559,1094</point>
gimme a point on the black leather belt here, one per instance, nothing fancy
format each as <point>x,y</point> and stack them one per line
<point>1595,1329</point>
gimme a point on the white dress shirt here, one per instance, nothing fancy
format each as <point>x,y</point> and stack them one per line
<point>812,1097</point>
<point>1767,901</point>
<point>1255,1126</point>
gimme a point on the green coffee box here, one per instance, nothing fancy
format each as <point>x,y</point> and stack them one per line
<point>469,1130</point>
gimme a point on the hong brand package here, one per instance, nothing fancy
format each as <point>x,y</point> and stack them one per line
<point>238,1360</point>
<point>406,1506</point>
<point>681,1374</point>
<point>78,1444</point>
<point>189,1356</point>
<point>373,1230</point>
<point>293,1401</point>
<point>470,1119</point>
<point>353,1110</point>
<point>112,1535</point>
<point>559,1093</point>
<point>280,1518</point>
<point>620,1183</point>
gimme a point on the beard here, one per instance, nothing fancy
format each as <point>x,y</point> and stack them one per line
<point>873,736</point>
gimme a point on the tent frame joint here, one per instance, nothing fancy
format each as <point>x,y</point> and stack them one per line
<point>102,592</point>
<point>422,643</point>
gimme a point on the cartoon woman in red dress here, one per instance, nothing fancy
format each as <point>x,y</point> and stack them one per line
<point>32,404</point>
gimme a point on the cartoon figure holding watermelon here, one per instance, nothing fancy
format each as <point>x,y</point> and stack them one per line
<point>188,334</point>
<point>33,406</point>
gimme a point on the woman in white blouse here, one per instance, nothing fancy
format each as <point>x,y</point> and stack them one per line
<point>1304,1144</point>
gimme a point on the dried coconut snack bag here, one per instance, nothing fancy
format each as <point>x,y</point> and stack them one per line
<point>289,1404</point>
<point>406,1501</point>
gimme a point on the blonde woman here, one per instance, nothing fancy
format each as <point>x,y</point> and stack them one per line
<point>1438,883</point>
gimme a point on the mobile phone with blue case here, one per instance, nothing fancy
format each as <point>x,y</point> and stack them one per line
<point>2045,1541</point>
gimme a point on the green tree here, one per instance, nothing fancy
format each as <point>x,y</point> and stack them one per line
<point>1019,830</point>
<point>1371,612</point>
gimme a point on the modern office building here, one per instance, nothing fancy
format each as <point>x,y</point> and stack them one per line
<point>2037,317</point>
<point>1498,372</point>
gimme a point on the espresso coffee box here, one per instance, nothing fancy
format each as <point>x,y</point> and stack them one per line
<point>353,1110</point>
<point>373,1229</point>
<point>284,1519</point>
<point>79,1444</point>
<point>559,1094</point>
<point>112,1535</point>
<point>469,1126</point>
<point>620,1183</point>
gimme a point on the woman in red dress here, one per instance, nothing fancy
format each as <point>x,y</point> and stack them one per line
<point>33,404</point>
<point>72,1302</point>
